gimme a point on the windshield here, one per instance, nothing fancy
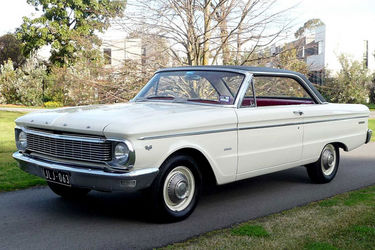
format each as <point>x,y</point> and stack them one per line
<point>212,87</point>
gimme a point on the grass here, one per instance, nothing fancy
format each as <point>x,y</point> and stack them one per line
<point>11,177</point>
<point>250,230</point>
<point>371,106</point>
<point>19,106</point>
<point>345,221</point>
<point>371,125</point>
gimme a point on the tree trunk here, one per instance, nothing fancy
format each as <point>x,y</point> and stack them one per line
<point>207,32</point>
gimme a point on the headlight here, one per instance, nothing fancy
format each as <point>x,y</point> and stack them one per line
<point>123,155</point>
<point>21,140</point>
<point>121,152</point>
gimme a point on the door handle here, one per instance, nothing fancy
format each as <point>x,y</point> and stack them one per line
<point>299,112</point>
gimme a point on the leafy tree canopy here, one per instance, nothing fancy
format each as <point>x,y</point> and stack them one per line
<point>310,24</point>
<point>10,48</point>
<point>67,25</point>
<point>351,84</point>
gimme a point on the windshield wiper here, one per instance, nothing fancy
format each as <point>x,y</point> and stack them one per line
<point>163,97</point>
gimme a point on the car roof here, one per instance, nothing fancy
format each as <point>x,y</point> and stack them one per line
<point>251,69</point>
<point>233,67</point>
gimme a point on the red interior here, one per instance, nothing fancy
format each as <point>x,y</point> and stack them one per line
<point>274,101</point>
<point>204,101</point>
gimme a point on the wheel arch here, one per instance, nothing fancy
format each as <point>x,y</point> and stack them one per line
<point>205,166</point>
<point>340,145</point>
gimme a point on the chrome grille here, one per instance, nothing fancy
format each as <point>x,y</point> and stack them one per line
<point>69,148</point>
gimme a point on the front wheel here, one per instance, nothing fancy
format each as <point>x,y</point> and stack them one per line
<point>325,169</point>
<point>176,189</point>
<point>68,192</point>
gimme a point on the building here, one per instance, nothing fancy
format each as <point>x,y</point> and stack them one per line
<point>117,51</point>
<point>150,51</point>
<point>311,48</point>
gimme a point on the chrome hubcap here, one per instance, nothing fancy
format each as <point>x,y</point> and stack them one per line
<point>179,188</point>
<point>328,161</point>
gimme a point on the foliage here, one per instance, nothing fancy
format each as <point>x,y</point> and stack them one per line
<point>288,59</point>
<point>67,25</point>
<point>22,85</point>
<point>90,81</point>
<point>10,48</point>
<point>310,24</point>
<point>372,89</point>
<point>85,81</point>
<point>52,104</point>
<point>8,83</point>
<point>351,83</point>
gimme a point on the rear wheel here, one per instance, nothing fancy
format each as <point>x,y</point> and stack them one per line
<point>68,192</point>
<point>325,169</point>
<point>177,188</point>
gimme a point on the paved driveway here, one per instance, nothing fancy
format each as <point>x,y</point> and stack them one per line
<point>38,219</point>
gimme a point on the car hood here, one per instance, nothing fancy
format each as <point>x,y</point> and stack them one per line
<point>122,120</point>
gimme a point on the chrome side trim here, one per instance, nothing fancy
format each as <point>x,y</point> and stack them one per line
<point>187,134</point>
<point>272,126</point>
<point>301,123</point>
<point>337,119</point>
<point>245,128</point>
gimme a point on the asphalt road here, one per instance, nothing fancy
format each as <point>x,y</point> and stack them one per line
<point>38,219</point>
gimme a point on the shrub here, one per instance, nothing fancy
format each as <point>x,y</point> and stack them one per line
<point>351,84</point>
<point>22,85</point>
<point>52,104</point>
<point>8,83</point>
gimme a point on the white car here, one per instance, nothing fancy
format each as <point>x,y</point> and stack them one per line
<point>187,126</point>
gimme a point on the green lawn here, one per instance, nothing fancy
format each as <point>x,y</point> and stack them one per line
<point>371,106</point>
<point>19,106</point>
<point>371,125</point>
<point>346,221</point>
<point>11,177</point>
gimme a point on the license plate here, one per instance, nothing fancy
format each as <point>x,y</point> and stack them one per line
<point>56,176</point>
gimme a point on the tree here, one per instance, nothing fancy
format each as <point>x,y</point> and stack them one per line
<point>351,83</point>
<point>67,25</point>
<point>289,60</point>
<point>309,25</point>
<point>10,48</point>
<point>209,31</point>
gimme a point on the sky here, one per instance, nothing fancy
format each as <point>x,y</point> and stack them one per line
<point>348,23</point>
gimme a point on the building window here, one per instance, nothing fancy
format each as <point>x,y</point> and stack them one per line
<point>312,49</point>
<point>107,56</point>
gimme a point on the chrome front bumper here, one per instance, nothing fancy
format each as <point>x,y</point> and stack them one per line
<point>368,137</point>
<point>91,178</point>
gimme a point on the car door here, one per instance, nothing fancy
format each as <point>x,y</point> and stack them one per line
<point>270,126</point>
